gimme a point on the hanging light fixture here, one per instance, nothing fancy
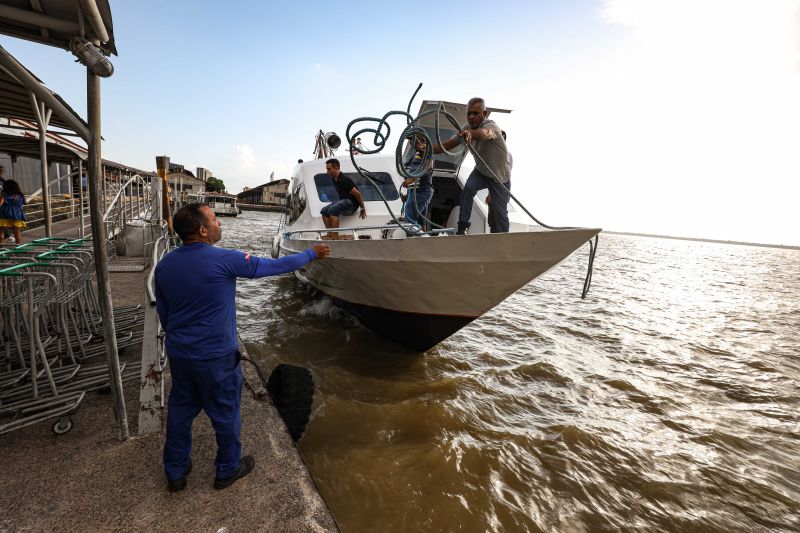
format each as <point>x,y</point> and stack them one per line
<point>333,140</point>
<point>91,56</point>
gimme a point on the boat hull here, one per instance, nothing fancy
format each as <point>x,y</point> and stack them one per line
<point>419,291</point>
<point>415,331</point>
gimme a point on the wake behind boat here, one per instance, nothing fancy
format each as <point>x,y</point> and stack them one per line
<point>412,286</point>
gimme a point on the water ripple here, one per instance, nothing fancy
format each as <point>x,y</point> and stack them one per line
<point>666,401</point>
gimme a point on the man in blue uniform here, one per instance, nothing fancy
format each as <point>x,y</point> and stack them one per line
<point>196,302</point>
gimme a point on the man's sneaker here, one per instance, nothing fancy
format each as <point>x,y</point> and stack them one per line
<point>245,467</point>
<point>180,483</point>
<point>462,230</point>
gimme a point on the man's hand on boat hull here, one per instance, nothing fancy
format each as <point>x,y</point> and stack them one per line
<point>363,214</point>
<point>322,250</point>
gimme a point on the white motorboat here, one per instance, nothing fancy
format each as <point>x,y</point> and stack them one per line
<point>222,204</point>
<point>415,290</point>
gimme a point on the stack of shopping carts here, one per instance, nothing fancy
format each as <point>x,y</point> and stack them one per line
<point>51,333</point>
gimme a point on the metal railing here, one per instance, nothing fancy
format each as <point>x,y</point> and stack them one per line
<point>154,259</point>
<point>121,203</point>
<point>410,229</point>
<point>130,201</point>
<point>151,390</point>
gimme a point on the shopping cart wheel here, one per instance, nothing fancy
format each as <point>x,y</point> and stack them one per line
<point>62,426</point>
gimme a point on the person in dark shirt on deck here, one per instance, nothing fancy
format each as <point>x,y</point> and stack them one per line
<point>195,289</point>
<point>349,198</point>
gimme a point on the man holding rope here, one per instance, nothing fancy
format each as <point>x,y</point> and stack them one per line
<point>491,166</point>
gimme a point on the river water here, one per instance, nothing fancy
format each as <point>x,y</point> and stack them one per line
<point>666,401</point>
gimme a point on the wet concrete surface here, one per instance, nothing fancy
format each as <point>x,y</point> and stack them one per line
<point>87,480</point>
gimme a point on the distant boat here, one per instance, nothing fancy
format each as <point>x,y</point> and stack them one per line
<point>416,290</point>
<point>221,203</point>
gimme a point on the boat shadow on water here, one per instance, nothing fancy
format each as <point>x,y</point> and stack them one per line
<point>303,325</point>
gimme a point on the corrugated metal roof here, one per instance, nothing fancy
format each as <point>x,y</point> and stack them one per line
<point>54,22</point>
<point>15,101</point>
<point>56,153</point>
<point>29,147</point>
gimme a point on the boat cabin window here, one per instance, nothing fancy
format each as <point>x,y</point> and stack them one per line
<point>297,202</point>
<point>327,191</point>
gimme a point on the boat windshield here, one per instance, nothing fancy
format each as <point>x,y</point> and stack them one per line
<point>327,191</point>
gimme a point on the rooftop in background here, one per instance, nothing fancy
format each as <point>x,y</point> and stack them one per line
<point>274,182</point>
<point>56,22</point>
<point>177,168</point>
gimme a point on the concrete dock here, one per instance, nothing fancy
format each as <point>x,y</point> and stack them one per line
<point>87,480</point>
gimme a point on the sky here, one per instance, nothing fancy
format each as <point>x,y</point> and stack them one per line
<point>677,117</point>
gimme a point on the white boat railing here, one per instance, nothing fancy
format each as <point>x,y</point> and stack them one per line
<point>410,229</point>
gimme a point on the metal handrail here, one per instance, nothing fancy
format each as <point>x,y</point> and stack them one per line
<point>155,258</point>
<point>38,191</point>
<point>355,230</point>
<point>136,177</point>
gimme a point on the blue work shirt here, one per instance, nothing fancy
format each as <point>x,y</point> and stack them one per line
<point>196,296</point>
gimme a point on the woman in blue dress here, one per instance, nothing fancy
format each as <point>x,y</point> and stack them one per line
<point>12,214</point>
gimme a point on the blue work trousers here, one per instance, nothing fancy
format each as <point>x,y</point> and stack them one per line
<point>476,182</point>
<point>214,386</point>
<point>417,204</point>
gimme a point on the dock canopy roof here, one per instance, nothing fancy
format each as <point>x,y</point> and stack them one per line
<point>55,22</point>
<point>29,147</point>
<point>24,146</point>
<point>16,86</point>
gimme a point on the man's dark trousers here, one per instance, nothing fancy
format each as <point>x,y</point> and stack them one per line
<point>214,386</point>
<point>495,225</point>
<point>475,182</point>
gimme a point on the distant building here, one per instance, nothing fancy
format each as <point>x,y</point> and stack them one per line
<point>183,183</point>
<point>204,173</point>
<point>272,193</point>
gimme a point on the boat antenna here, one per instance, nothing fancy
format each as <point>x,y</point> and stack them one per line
<point>325,144</point>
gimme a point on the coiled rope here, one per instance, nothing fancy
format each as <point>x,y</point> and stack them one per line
<point>380,129</point>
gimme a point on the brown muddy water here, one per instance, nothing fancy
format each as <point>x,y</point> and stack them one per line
<point>666,401</point>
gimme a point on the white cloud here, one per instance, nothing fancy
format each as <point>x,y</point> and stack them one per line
<point>246,158</point>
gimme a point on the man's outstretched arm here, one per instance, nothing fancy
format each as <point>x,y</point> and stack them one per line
<point>260,267</point>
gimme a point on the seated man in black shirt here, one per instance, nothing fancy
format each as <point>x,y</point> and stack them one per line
<point>349,198</point>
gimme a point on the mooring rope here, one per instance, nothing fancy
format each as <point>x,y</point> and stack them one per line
<point>412,132</point>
